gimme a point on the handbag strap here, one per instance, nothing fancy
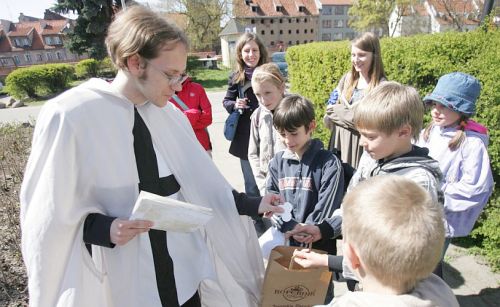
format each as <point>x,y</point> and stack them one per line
<point>180,102</point>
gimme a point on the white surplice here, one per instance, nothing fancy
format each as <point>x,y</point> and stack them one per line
<point>82,162</point>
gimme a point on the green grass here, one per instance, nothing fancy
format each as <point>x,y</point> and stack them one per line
<point>211,79</point>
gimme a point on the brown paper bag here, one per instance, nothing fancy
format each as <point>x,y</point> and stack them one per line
<point>293,286</point>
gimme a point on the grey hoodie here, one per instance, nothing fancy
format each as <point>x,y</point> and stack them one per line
<point>415,165</point>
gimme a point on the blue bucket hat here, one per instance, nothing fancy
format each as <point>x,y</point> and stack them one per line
<point>456,91</point>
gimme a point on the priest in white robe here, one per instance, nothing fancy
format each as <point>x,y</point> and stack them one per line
<point>94,148</point>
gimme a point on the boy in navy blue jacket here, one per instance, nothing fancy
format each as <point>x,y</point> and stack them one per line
<point>309,177</point>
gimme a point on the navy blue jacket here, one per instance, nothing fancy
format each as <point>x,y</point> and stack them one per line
<point>314,186</point>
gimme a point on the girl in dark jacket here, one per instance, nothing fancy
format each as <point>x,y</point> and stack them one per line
<point>250,53</point>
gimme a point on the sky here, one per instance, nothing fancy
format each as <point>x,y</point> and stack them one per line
<point>10,9</point>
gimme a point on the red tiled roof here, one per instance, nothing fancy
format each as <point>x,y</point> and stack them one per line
<point>20,31</point>
<point>459,7</point>
<point>51,27</point>
<point>336,2</point>
<point>267,8</point>
<point>419,9</point>
<point>4,42</point>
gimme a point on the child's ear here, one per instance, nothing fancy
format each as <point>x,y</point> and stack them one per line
<point>405,131</point>
<point>312,126</point>
<point>352,255</point>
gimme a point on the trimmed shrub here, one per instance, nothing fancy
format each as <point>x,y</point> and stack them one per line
<point>38,80</point>
<point>88,68</point>
<point>419,61</point>
<point>106,68</point>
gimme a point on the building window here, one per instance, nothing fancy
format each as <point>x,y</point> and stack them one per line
<point>305,41</point>
<point>49,56</point>
<point>57,40</point>
<point>326,37</point>
<point>262,21</point>
<point>297,31</point>
<point>26,42</point>
<point>338,23</point>
<point>48,40</point>
<point>305,30</point>
<point>16,60</point>
<point>327,10</point>
<point>290,20</point>
<point>290,43</point>
<point>263,32</point>
<point>312,30</point>
<point>17,42</point>
<point>326,24</point>
<point>289,31</point>
<point>281,31</point>
<point>298,20</point>
<point>272,20</point>
<point>4,61</point>
<point>279,8</point>
<point>59,55</point>
<point>252,21</point>
<point>27,57</point>
<point>297,43</point>
<point>305,20</point>
<point>339,10</point>
<point>272,43</point>
<point>281,20</point>
<point>39,57</point>
<point>337,36</point>
<point>272,32</point>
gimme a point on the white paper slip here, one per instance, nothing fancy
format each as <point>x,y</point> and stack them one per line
<point>170,214</point>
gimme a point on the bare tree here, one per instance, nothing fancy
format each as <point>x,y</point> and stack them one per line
<point>203,20</point>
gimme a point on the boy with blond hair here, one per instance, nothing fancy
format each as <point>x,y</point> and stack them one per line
<point>406,234</point>
<point>388,119</point>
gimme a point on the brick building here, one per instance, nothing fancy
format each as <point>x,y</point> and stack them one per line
<point>34,41</point>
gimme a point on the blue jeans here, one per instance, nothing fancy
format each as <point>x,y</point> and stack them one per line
<point>250,185</point>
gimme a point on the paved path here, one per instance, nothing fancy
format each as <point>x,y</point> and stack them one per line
<point>472,281</point>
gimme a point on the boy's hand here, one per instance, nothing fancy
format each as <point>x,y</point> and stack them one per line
<point>304,233</point>
<point>269,205</point>
<point>122,231</point>
<point>308,259</point>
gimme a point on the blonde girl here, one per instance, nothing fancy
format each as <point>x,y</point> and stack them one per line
<point>367,71</point>
<point>460,146</point>
<point>269,87</point>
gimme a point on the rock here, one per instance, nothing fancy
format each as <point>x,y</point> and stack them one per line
<point>17,104</point>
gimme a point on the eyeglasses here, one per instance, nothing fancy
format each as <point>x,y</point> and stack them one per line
<point>172,80</point>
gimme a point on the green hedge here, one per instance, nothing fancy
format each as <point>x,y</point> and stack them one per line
<point>39,80</point>
<point>420,60</point>
<point>88,68</point>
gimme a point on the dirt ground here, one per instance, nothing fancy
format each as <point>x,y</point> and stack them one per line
<point>14,150</point>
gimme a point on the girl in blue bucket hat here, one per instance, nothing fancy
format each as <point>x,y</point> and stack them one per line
<point>460,146</point>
